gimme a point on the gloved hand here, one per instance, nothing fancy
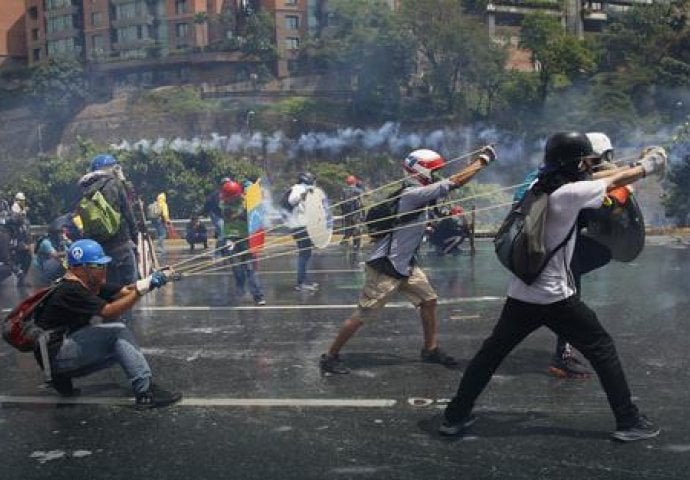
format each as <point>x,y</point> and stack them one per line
<point>156,280</point>
<point>487,155</point>
<point>653,161</point>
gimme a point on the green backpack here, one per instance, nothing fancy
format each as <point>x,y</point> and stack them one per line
<point>101,221</point>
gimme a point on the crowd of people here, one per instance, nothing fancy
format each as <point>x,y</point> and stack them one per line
<point>91,262</point>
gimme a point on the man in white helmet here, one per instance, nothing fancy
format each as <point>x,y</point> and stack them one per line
<point>393,264</point>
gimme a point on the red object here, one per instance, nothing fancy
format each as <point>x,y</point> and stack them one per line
<point>172,233</point>
<point>351,180</point>
<point>19,329</point>
<point>457,210</point>
<point>231,189</point>
<point>620,195</point>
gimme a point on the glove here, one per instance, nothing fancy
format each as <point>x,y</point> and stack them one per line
<point>156,280</point>
<point>653,161</point>
<point>487,155</point>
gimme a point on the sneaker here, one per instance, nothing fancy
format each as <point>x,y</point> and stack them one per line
<point>568,366</point>
<point>333,364</point>
<point>260,301</point>
<point>438,356</point>
<point>63,385</point>
<point>450,429</point>
<point>307,287</point>
<point>641,430</point>
<point>156,397</point>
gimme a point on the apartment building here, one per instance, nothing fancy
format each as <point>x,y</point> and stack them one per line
<point>579,17</point>
<point>12,33</point>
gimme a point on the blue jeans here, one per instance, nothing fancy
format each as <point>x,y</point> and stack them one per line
<point>96,347</point>
<point>122,270</point>
<point>161,233</point>
<point>218,227</point>
<point>304,246</point>
<point>246,274</point>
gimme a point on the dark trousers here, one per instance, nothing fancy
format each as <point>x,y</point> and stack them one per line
<point>571,319</point>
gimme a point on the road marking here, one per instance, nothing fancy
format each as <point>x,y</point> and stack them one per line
<point>209,402</point>
<point>342,306</point>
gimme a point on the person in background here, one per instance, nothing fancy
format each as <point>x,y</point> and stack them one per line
<point>161,222</point>
<point>20,238</point>
<point>352,212</point>
<point>84,337</point>
<point>211,208</point>
<point>196,233</point>
<point>449,231</point>
<point>297,221</point>
<point>236,241</point>
<point>50,252</point>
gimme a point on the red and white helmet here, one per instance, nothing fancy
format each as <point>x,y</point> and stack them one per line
<point>420,163</point>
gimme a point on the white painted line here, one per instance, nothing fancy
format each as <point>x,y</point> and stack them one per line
<point>284,272</point>
<point>209,402</point>
<point>342,306</point>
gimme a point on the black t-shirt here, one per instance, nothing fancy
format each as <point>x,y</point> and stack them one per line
<point>70,307</point>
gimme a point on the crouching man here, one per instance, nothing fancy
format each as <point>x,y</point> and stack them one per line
<point>82,337</point>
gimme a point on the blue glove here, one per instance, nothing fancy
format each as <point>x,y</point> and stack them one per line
<point>158,279</point>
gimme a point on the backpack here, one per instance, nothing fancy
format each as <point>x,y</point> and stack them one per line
<point>19,328</point>
<point>153,210</point>
<point>383,217</point>
<point>519,242</point>
<point>37,244</point>
<point>284,201</point>
<point>101,221</point>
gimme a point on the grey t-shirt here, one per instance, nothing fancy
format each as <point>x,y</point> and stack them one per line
<point>401,245</point>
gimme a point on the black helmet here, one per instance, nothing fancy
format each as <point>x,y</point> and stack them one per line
<point>565,150</point>
<point>306,178</point>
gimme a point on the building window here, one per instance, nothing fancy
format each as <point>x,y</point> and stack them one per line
<point>97,45</point>
<point>36,54</point>
<point>181,6</point>
<point>181,31</point>
<point>96,18</point>
<point>33,13</point>
<point>292,22</point>
<point>290,2</point>
<point>58,24</point>
<point>291,43</point>
<point>34,34</point>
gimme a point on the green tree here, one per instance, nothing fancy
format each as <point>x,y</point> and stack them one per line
<point>59,86</point>
<point>556,51</point>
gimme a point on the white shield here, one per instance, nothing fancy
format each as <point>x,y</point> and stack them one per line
<point>319,222</point>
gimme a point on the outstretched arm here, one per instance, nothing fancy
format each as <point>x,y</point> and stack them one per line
<point>486,156</point>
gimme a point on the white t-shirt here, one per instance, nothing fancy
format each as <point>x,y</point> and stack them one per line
<point>554,283</point>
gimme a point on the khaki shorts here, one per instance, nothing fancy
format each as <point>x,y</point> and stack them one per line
<point>379,288</point>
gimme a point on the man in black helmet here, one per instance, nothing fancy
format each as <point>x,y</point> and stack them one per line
<point>551,300</point>
<point>297,221</point>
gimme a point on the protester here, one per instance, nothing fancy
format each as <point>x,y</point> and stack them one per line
<point>106,176</point>
<point>50,252</point>
<point>20,238</point>
<point>161,221</point>
<point>84,338</point>
<point>196,233</point>
<point>449,231</point>
<point>236,232</point>
<point>551,300</point>
<point>298,221</point>
<point>351,208</point>
<point>393,266</point>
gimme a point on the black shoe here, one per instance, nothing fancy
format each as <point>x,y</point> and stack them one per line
<point>333,364</point>
<point>156,397</point>
<point>568,366</point>
<point>641,430</point>
<point>63,385</point>
<point>438,356</point>
<point>450,429</point>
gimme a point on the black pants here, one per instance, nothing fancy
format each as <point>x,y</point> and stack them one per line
<point>571,319</point>
<point>589,255</point>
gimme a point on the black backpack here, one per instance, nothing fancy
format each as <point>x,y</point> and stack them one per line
<point>383,217</point>
<point>284,201</point>
<point>519,243</point>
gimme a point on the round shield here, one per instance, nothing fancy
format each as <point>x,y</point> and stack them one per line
<point>620,228</point>
<point>319,222</point>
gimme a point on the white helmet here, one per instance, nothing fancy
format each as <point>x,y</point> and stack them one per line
<point>421,163</point>
<point>20,196</point>
<point>601,145</point>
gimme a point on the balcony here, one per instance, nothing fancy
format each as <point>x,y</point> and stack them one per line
<point>133,44</point>
<point>143,19</point>
<point>62,11</point>
<point>70,32</point>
